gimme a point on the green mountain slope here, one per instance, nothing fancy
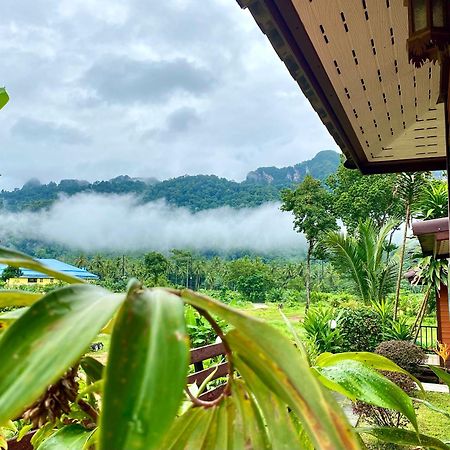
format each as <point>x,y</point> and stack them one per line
<point>197,192</point>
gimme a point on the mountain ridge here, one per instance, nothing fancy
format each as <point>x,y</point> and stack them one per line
<point>196,192</point>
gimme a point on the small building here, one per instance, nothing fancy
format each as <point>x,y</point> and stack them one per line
<point>433,238</point>
<point>32,277</point>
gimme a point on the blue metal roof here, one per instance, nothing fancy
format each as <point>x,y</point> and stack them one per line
<point>55,265</point>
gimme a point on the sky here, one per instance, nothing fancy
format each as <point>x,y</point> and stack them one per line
<point>101,88</point>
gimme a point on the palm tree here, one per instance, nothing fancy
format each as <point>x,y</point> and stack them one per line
<point>360,258</point>
<point>408,188</point>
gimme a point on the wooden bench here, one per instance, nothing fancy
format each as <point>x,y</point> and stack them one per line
<point>198,357</point>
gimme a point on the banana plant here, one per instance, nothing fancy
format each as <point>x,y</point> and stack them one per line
<point>273,398</point>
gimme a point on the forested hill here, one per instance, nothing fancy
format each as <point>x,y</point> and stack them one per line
<point>197,192</point>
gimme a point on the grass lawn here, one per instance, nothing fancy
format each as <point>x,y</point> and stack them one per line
<point>433,423</point>
<point>269,312</point>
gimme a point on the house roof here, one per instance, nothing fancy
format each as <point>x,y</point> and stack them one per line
<point>433,236</point>
<point>55,265</point>
<point>350,60</point>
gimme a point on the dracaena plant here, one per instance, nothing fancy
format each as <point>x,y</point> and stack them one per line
<point>273,399</point>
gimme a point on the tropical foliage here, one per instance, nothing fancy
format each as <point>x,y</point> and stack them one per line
<point>310,204</point>
<point>142,385</point>
<point>360,257</point>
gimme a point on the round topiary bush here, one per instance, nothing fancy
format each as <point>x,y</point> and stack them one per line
<point>361,330</point>
<point>405,354</point>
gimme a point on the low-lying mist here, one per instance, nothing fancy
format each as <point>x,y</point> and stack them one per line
<point>118,223</point>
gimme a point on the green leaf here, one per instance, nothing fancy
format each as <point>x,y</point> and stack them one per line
<point>180,433</point>
<point>9,317</point>
<point>297,340</point>
<point>357,381</point>
<point>277,362</point>
<point>71,437</point>
<point>442,374</point>
<point>254,430</point>
<point>49,338</point>
<point>21,260</point>
<point>146,371</point>
<point>283,435</point>
<point>18,298</point>
<point>4,97</point>
<point>432,407</point>
<point>93,368</point>
<point>373,360</point>
<point>404,437</point>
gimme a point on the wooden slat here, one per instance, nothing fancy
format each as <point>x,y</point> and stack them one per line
<point>206,352</point>
<point>213,393</point>
<point>200,377</point>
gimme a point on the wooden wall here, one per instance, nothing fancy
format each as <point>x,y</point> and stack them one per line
<point>443,316</point>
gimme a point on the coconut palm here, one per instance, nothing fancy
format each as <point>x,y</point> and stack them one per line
<point>359,257</point>
<point>408,188</point>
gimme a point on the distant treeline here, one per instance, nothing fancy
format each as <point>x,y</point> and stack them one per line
<point>197,192</point>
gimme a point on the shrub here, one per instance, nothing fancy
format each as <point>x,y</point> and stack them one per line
<point>317,325</point>
<point>361,330</point>
<point>407,356</point>
<point>398,330</point>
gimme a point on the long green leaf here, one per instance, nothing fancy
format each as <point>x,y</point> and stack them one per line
<point>9,317</point>
<point>432,407</point>
<point>94,369</point>
<point>146,371</point>
<point>178,435</point>
<point>4,97</point>
<point>373,360</point>
<point>21,260</point>
<point>71,437</point>
<point>18,298</point>
<point>404,437</point>
<point>282,433</point>
<point>357,381</point>
<point>280,366</point>
<point>442,374</point>
<point>50,337</point>
<point>254,430</point>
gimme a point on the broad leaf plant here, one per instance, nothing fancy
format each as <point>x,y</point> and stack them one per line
<point>274,397</point>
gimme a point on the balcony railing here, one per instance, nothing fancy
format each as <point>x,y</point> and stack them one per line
<point>428,337</point>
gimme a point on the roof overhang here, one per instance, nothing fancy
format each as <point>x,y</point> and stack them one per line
<point>433,237</point>
<point>350,60</point>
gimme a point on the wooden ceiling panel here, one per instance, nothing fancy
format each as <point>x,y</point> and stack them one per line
<point>390,104</point>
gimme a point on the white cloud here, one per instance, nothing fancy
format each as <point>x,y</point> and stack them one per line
<point>91,222</point>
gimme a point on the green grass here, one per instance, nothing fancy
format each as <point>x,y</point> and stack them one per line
<point>433,423</point>
<point>271,315</point>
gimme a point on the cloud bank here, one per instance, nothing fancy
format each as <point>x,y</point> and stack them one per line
<point>96,223</point>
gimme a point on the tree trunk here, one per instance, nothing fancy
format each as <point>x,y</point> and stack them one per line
<point>308,276</point>
<point>402,258</point>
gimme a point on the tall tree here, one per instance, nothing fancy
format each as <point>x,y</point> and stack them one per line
<point>357,197</point>
<point>311,205</point>
<point>359,257</point>
<point>408,188</point>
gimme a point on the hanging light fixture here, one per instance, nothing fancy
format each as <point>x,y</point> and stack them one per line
<point>429,30</point>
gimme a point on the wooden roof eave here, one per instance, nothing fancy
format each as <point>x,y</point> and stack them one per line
<point>280,22</point>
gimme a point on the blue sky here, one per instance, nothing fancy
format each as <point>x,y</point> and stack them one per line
<point>101,88</point>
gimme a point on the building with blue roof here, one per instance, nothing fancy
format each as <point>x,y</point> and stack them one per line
<point>33,277</point>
